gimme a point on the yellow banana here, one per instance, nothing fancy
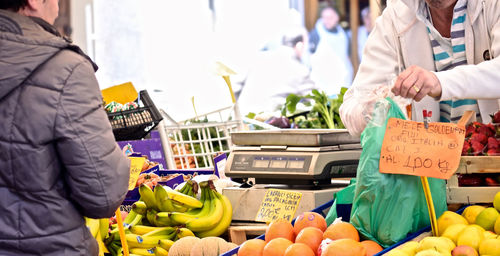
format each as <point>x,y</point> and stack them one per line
<point>184,188</point>
<point>183,232</point>
<point>136,241</point>
<point>183,218</point>
<point>163,219</point>
<point>139,207</point>
<point>163,231</point>
<point>160,251</point>
<point>142,251</point>
<point>151,216</point>
<point>163,202</point>
<point>165,244</point>
<point>103,228</point>
<point>93,225</point>
<point>224,223</point>
<point>147,196</point>
<point>184,200</point>
<point>130,217</point>
<point>142,229</point>
<point>210,220</point>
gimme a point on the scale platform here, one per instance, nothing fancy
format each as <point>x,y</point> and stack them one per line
<point>293,156</point>
<point>246,201</point>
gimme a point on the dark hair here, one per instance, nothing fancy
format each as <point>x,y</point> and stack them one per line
<point>13,5</point>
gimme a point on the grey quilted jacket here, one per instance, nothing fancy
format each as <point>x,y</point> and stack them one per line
<point>58,157</point>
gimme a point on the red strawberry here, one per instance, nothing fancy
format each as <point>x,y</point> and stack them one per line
<point>479,137</point>
<point>466,149</point>
<point>477,147</point>
<point>492,143</point>
<point>491,152</point>
<point>469,130</point>
<point>477,124</point>
<point>496,117</point>
<point>486,130</point>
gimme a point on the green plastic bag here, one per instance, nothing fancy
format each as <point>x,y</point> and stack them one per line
<point>342,203</point>
<point>387,207</point>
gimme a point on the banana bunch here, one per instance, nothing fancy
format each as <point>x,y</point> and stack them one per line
<point>212,219</point>
<point>99,230</point>
<point>148,240</point>
<point>162,216</point>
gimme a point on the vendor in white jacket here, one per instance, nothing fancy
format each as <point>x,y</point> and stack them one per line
<point>441,52</point>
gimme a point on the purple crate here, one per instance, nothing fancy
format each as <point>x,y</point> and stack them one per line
<point>150,147</point>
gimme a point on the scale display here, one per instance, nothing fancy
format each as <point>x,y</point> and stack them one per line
<point>277,163</point>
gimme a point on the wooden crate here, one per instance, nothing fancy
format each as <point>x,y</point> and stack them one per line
<point>470,195</point>
<point>238,231</point>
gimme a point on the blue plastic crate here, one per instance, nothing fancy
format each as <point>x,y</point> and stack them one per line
<point>320,209</point>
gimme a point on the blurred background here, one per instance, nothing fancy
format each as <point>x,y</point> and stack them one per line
<point>169,47</point>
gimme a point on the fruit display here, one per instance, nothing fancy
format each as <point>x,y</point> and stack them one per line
<point>482,139</point>
<point>309,236</point>
<point>99,230</point>
<point>164,218</point>
<point>473,233</point>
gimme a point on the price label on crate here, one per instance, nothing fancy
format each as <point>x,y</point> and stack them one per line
<point>409,148</point>
<point>136,164</point>
<point>278,204</point>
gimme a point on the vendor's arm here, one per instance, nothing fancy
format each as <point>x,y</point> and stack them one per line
<point>96,170</point>
<point>379,65</point>
<point>478,81</point>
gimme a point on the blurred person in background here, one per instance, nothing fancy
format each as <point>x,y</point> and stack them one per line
<point>364,30</point>
<point>331,67</point>
<point>59,159</point>
<point>277,73</point>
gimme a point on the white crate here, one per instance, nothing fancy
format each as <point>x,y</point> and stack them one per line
<point>193,144</point>
<point>470,195</point>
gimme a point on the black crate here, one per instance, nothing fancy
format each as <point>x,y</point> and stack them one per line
<point>135,124</point>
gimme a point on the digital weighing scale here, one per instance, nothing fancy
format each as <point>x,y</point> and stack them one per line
<point>315,162</point>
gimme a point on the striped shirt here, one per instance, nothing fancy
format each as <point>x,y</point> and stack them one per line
<point>449,53</point>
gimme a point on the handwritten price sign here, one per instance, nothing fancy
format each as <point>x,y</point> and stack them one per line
<point>408,148</point>
<point>278,204</point>
<point>136,164</point>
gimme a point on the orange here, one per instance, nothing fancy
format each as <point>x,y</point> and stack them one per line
<point>299,250</point>
<point>280,228</point>
<point>371,247</point>
<point>252,247</point>
<point>276,247</point>
<point>344,247</point>
<point>310,236</point>
<point>341,230</point>
<point>309,219</point>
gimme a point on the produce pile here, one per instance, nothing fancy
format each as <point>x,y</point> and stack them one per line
<point>163,217</point>
<point>323,111</point>
<point>309,236</point>
<point>201,138</point>
<point>482,139</point>
<point>475,232</point>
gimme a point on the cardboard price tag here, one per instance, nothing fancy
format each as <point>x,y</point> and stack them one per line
<point>278,204</point>
<point>408,148</point>
<point>136,164</point>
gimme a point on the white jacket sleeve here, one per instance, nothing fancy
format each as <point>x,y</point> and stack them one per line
<point>379,65</point>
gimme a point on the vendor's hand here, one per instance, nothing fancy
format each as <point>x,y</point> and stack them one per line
<point>415,83</point>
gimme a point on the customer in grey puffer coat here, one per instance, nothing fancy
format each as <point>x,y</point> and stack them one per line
<point>58,158</point>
